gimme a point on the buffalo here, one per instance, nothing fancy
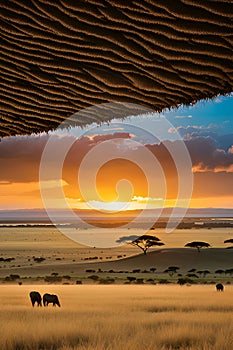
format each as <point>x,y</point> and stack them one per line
<point>219,287</point>
<point>50,298</point>
<point>35,298</point>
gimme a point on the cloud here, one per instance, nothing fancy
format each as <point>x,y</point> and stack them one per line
<point>20,161</point>
<point>206,156</point>
<point>211,184</point>
<point>113,129</point>
<point>96,138</point>
<point>127,239</point>
<point>20,156</point>
<point>149,200</point>
<point>183,116</point>
<point>191,131</point>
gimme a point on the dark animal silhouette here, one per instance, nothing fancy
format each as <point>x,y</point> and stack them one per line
<point>219,287</point>
<point>50,298</point>
<point>35,298</point>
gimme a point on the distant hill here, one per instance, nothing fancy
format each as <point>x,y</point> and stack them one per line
<point>185,258</point>
<point>40,215</point>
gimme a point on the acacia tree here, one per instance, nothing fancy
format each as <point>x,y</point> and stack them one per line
<point>143,242</point>
<point>198,245</point>
<point>229,241</point>
<point>171,270</point>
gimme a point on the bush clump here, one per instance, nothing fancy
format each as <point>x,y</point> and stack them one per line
<point>53,279</point>
<point>11,278</point>
<point>93,277</point>
<point>39,259</point>
<point>185,280</point>
<point>78,282</point>
<point>107,281</point>
<point>163,281</point>
<point>131,279</point>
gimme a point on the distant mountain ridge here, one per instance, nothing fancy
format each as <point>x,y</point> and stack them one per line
<point>40,215</point>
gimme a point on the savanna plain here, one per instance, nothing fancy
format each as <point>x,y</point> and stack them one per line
<point>113,317</point>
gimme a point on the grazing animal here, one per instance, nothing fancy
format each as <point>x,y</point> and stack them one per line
<point>219,287</point>
<point>35,298</point>
<point>50,298</point>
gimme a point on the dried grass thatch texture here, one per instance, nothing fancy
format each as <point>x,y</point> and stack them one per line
<point>58,57</point>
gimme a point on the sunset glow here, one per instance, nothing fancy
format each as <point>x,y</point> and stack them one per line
<point>120,183</point>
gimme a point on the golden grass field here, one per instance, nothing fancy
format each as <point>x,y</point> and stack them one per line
<point>126,317</point>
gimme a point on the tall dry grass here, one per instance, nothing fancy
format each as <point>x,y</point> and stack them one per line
<point>118,317</point>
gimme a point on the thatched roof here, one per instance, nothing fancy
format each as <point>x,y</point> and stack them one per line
<point>58,57</point>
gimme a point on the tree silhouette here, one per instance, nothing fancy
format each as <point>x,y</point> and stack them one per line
<point>229,271</point>
<point>203,272</point>
<point>198,245</point>
<point>153,269</point>
<point>171,270</point>
<point>229,241</point>
<point>143,242</point>
<point>192,270</point>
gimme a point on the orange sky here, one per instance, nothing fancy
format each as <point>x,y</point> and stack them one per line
<point>19,177</point>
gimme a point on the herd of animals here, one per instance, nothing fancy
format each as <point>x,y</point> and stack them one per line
<point>53,298</point>
<point>47,299</point>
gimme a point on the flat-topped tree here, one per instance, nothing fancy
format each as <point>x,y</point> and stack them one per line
<point>171,270</point>
<point>143,242</point>
<point>230,240</point>
<point>198,245</point>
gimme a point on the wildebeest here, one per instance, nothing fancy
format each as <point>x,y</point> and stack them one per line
<point>50,298</point>
<point>35,298</point>
<point>219,287</point>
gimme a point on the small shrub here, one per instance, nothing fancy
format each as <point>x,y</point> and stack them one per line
<point>163,281</point>
<point>78,282</point>
<point>52,279</point>
<point>192,275</point>
<point>153,269</point>
<point>181,281</point>
<point>106,280</point>
<point>8,259</point>
<point>131,279</point>
<point>11,278</point>
<point>39,259</point>
<point>93,277</point>
<point>139,280</point>
<point>185,280</point>
<point>149,280</point>
<point>67,277</point>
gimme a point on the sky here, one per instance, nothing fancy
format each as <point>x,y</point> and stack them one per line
<point>181,157</point>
